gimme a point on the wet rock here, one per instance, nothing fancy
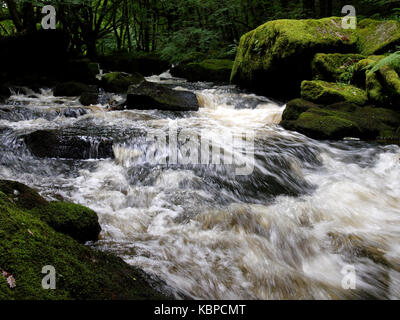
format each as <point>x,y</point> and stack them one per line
<point>148,95</point>
<point>74,112</point>
<point>59,144</point>
<point>82,70</point>
<point>70,89</point>
<point>21,195</point>
<point>20,113</point>
<point>119,82</point>
<point>89,98</point>
<point>340,120</point>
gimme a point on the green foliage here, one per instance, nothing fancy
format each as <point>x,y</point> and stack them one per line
<point>392,61</point>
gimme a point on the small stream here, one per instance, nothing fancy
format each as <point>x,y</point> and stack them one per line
<point>285,230</point>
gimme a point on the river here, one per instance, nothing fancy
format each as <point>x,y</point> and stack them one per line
<point>289,229</point>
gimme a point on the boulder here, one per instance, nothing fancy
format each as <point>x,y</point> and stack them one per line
<point>21,195</point>
<point>74,112</point>
<point>383,82</point>
<point>144,63</point>
<point>340,120</point>
<point>83,273</point>
<point>276,57</point>
<point>119,82</point>
<point>82,70</point>
<point>328,92</point>
<point>377,37</point>
<point>74,220</point>
<point>69,145</point>
<point>70,89</point>
<point>149,95</point>
<point>211,70</point>
<point>360,70</point>
<point>335,67</point>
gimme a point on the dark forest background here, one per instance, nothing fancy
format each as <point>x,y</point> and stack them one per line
<point>172,28</point>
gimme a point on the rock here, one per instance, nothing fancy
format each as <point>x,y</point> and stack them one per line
<point>89,98</point>
<point>150,95</point>
<point>340,120</point>
<point>71,219</point>
<point>377,37</point>
<point>70,89</point>
<point>28,244</point>
<point>145,64</point>
<point>335,67</point>
<point>274,58</point>
<point>63,144</point>
<point>74,112</point>
<point>118,82</point>
<point>360,70</point>
<point>5,93</point>
<point>383,82</point>
<point>211,70</point>
<point>21,195</point>
<point>328,93</point>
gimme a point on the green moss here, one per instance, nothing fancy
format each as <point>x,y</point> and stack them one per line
<point>74,220</point>
<point>377,37</point>
<point>269,54</point>
<point>327,93</point>
<point>21,195</point>
<point>361,68</point>
<point>334,67</point>
<point>118,82</point>
<point>295,108</point>
<point>344,119</point>
<point>28,244</point>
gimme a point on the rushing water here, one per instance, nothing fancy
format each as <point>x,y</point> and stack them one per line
<point>285,231</point>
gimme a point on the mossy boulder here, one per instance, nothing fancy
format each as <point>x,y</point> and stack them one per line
<point>341,120</point>
<point>335,67</point>
<point>360,70</point>
<point>377,37</point>
<point>28,244</point>
<point>74,220</point>
<point>212,70</point>
<point>276,57</point>
<point>383,82</point>
<point>328,93</point>
<point>77,221</point>
<point>89,98</point>
<point>82,70</point>
<point>70,89</point>
<point>118,82</point>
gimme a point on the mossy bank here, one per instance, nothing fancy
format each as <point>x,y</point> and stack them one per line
<point>28,225</point>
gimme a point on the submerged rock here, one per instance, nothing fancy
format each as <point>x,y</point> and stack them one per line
<point>149,95</point>
<point>327,92</point>
<point>28,243</point>
<point>59,144</point>
<point>212,70</point>
<point>119,82</point>
<point>340,120</point>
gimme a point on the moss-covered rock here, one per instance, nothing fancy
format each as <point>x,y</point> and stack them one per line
<point>274,58</point>
<point>71,219</point>
<point>82,70</point>
<point>360,70</point>
<point>28,244</point>
<point>118,82</point>
<point>377,37</point>
<point>77,221</point>
<point>334,67</point>
<point>340,120</point>
<point>327,92</point>
<point>212,70</point>
<point>383,82</point>
<point>89,98</point>
<point>70,89</point>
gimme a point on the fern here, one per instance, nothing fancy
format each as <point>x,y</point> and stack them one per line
<point>393,61</point>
